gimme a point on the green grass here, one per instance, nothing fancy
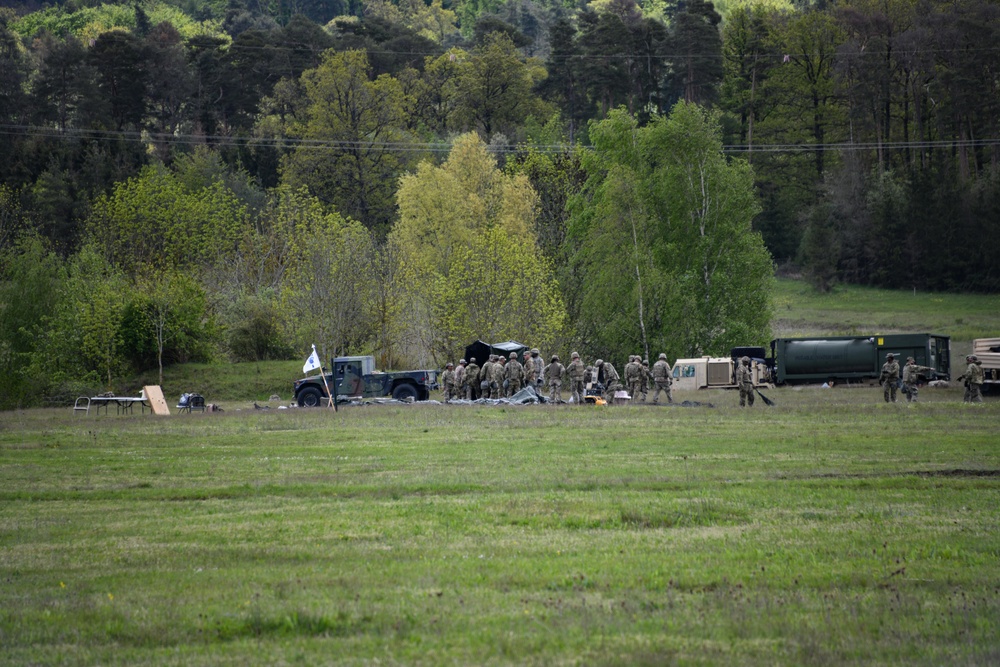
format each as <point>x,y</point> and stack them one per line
<point>831,529</point>
<point>850,310</point>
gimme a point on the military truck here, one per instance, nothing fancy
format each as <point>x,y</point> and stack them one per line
<point>987,350</point>
<point>716,372</point>
<point>357,377</point>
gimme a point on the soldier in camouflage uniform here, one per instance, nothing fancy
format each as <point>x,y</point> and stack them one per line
<point>662,379</point>
<point>889,378</point>
<point>471,378</point>
<point>608,376</point>
<point>514,374</point>
<point>460,379</point>
<point>486,377</point>
<point>576,372</point>
<point>553,375</point>
<point>911,376</point>
<point>631,372</point>
<point>973,378</point>
<point>539,364</point>
<point>530,375</point>
<point>448,381</point>
<point>499,376</point>
<point>646,377</point>
<point>744,380</point>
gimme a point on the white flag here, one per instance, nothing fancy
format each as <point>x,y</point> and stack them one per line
<point>312,363</point>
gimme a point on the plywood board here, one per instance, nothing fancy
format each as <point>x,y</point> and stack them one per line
<point>156,401</point>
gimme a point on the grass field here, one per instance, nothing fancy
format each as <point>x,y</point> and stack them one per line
<point>830,529</point>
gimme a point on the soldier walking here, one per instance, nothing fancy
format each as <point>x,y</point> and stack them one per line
<point>973,378</point>
<point>471,380</point>
<point>576,372</point>
<point>662,379</point>
<point>911,373</point>
<point>554,375</point>
<point>744,380</point>
<point>514,374</point>
<point>889,378</point>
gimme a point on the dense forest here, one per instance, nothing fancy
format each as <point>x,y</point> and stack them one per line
<point>189,179</point>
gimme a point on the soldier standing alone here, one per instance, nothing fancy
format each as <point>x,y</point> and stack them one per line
<point>662,379</point>
<point>744,380</point>
<point>889,378</point>
<point>576,372</point>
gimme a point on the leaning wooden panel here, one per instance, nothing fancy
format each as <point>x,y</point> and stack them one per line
<point>156,401</point>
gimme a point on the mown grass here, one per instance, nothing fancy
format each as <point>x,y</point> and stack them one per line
<point>851,310</point>
<point>833,528</point>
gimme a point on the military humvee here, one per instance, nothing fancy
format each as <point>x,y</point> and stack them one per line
<point>356,377</point>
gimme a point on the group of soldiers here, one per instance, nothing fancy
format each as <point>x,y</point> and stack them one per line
<point>889,378</point>
<point>502,377</point>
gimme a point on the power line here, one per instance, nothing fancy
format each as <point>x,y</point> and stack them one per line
<point>344,145</point>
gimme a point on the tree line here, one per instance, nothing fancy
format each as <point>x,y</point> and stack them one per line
<point>284,172</point>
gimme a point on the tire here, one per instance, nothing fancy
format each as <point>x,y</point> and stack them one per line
<point>310,397</point>
<point>404,391</point>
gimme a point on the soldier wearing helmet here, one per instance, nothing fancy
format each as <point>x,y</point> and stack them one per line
<point>539,363</point>
<point>662,379</point>
<point>911,378</point>
<point>633,381</point>
<point>973,378</point>
<point>575,371</point>
<point>514,375</point>
<point>471,379</point>
<point>744,380</point>
<point>530,375</point>
<point>448,381</point>
<point>608,376</point>
<point>889,377</point>
<point>554,376</point>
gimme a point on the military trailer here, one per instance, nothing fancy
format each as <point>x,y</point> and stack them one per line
<point>357,377</point>
<point>987,350</point>
<point>715,373</point>
<point>855,359</point>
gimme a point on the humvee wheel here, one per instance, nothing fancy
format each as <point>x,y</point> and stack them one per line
<point>404,392</point>
<point>310,397</point>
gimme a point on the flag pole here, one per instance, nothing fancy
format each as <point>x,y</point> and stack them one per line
<point>332,402</point>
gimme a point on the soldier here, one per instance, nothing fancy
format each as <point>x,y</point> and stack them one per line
<point>607,376</point>
<point>530,374</point>
<point>499,376</point>
<point>486,377</point>
<point>973,378</point>
<point>576,372</point>
<point>539,363</point>
<point>514,374</point>
<point>910,377</point>
<point>744,380</point>
<point>460,379</point>
<point>553,375</point>
<point>647,379</point>
<point>472,380</point>
<point>632,379</point>
<point>889,378</point>
<point>662,379</point>
<point>448,381</point>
